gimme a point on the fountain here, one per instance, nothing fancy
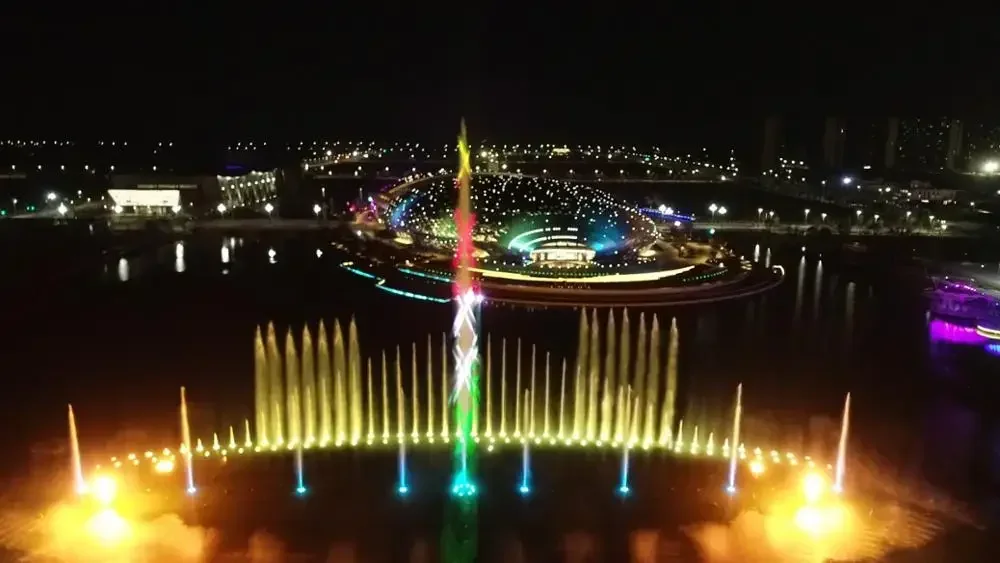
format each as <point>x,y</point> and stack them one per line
<point>400,399</point>
<point>579,385</point>
<point>607,392</point>
<point>186,437</point>
<point>430,390</point>
<point>300,483</point>
<point>325,387</point>
<point>76,463</point>
<point>817,289</point>
<point>623,484</point>
<point>532,407</point>
<point>670,397</point>
<point>624,365</point>
<point>260,388</point>
<point>370,403</point>
<point>638,383</point>
<point>247,442</point>
<point>562,402</point>
<point>277,386</point>
<point>652,384</point>
<point>545,402</point>
<point>339,390</point>
<point>845,422</point>
<point>293,390</point>
<point>800,282</point>
<point>354,370</point>
<point>402,487</point>
<point>308,387</point>
<point>385,399</point>
<point>593,377</point>
<point>525,487</point>
<point>517,393</point>
<point>849,316</point>
<point>503,388</point>
<point>414,396</point>
<point>734,450</point>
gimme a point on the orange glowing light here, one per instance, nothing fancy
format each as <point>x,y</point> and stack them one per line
<point>108,527</point>
<point>104,489</point>
<point>164,466</point>
<point>757,468</point>
<point>814,486</point>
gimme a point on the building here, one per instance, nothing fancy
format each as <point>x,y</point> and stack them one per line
<point>167,195</point>
<point>770,145</point>
<point>929,144</point>
<point>833,143</point>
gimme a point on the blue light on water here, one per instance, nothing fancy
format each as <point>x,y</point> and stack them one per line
<point>993,349</point>
<point>524,490</point>
<point>403,490</point>
<point>300,490</point>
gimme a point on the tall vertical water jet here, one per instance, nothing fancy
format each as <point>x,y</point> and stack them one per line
<point>734,454</point>
<point>849,316</point>
<point>517,392</point>
<point>532,407</point>
<point>651,397</point>
<point>232,439</point>
<point>489,386</point>
<point>800,283</point>
<point>525,487</point>
<point>261,388</point>
<point>670,396</point>
<point>638,382</point>
<point>354,369</point>
<point>444,387</point>
<point>581,372</point>
<point>624,365</point>
<point>277,385</point>
<point>623,480</point>
<point>385,398</point>
<point>415,395</point>
<point>247,442</point>
<point>300,477</point>
<point>545,403</point>
<point>370,403</point>
<point>76,462</point>
<point>594,377</point>
<point>608,390</point>
<point>845,425</point>
<point>339,385</point>
<point>325,387</point>
<point>430,389</point>
<point>817,289</point>
<point>400,399</point>
<point>562,402</point>
<point>503,387</point>
<point>186,437</point>
<point>402,487</point>
<point>293,396</point>
<point>308,388</point>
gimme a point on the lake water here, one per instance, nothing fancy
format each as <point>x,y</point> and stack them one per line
<point>118,334</point>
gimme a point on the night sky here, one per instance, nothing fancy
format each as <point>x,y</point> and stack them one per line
<point>518,71</point>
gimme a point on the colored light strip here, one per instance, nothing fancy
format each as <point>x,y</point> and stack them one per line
<point>987,332</point>
<point>425,275</point>
<point>412,295</point>
<point>658,213</point>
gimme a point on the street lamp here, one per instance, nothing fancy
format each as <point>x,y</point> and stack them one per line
<point>760,213</point>
<point>713,208</point>
<point>268,208</point>
<point>221,208</point>
<point>770,214</point>
<point>807,214</point>
<point>62,209</point>
<point>876,216</point>
<point>316,210</point>
<point>723,211</point>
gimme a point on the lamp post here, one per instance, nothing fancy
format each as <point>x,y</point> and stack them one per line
<point>806,213</point>
<point>822,217</point>
<point>268,208</point>
<point>713,208</point>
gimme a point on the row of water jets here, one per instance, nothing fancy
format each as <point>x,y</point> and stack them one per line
<point>317,395</point>
<point>317,399</point>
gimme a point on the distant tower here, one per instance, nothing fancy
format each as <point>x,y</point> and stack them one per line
<point>954,146</point>
<point>769,150</point>
<point>891,143</point>
<point>833,143</point>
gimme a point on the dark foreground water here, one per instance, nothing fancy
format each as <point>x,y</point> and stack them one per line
<point>117,335</point>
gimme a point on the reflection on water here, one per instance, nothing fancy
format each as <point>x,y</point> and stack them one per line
<point>123,269</point>
<point>179,264</point>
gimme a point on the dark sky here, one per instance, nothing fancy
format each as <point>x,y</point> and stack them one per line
<point>518,71</point>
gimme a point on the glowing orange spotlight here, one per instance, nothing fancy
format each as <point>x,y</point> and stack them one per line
<point>104,489</point>
<point>757,468</point>
<point>164,466</point>
<point>814,486</point>
<point>108,527</point>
